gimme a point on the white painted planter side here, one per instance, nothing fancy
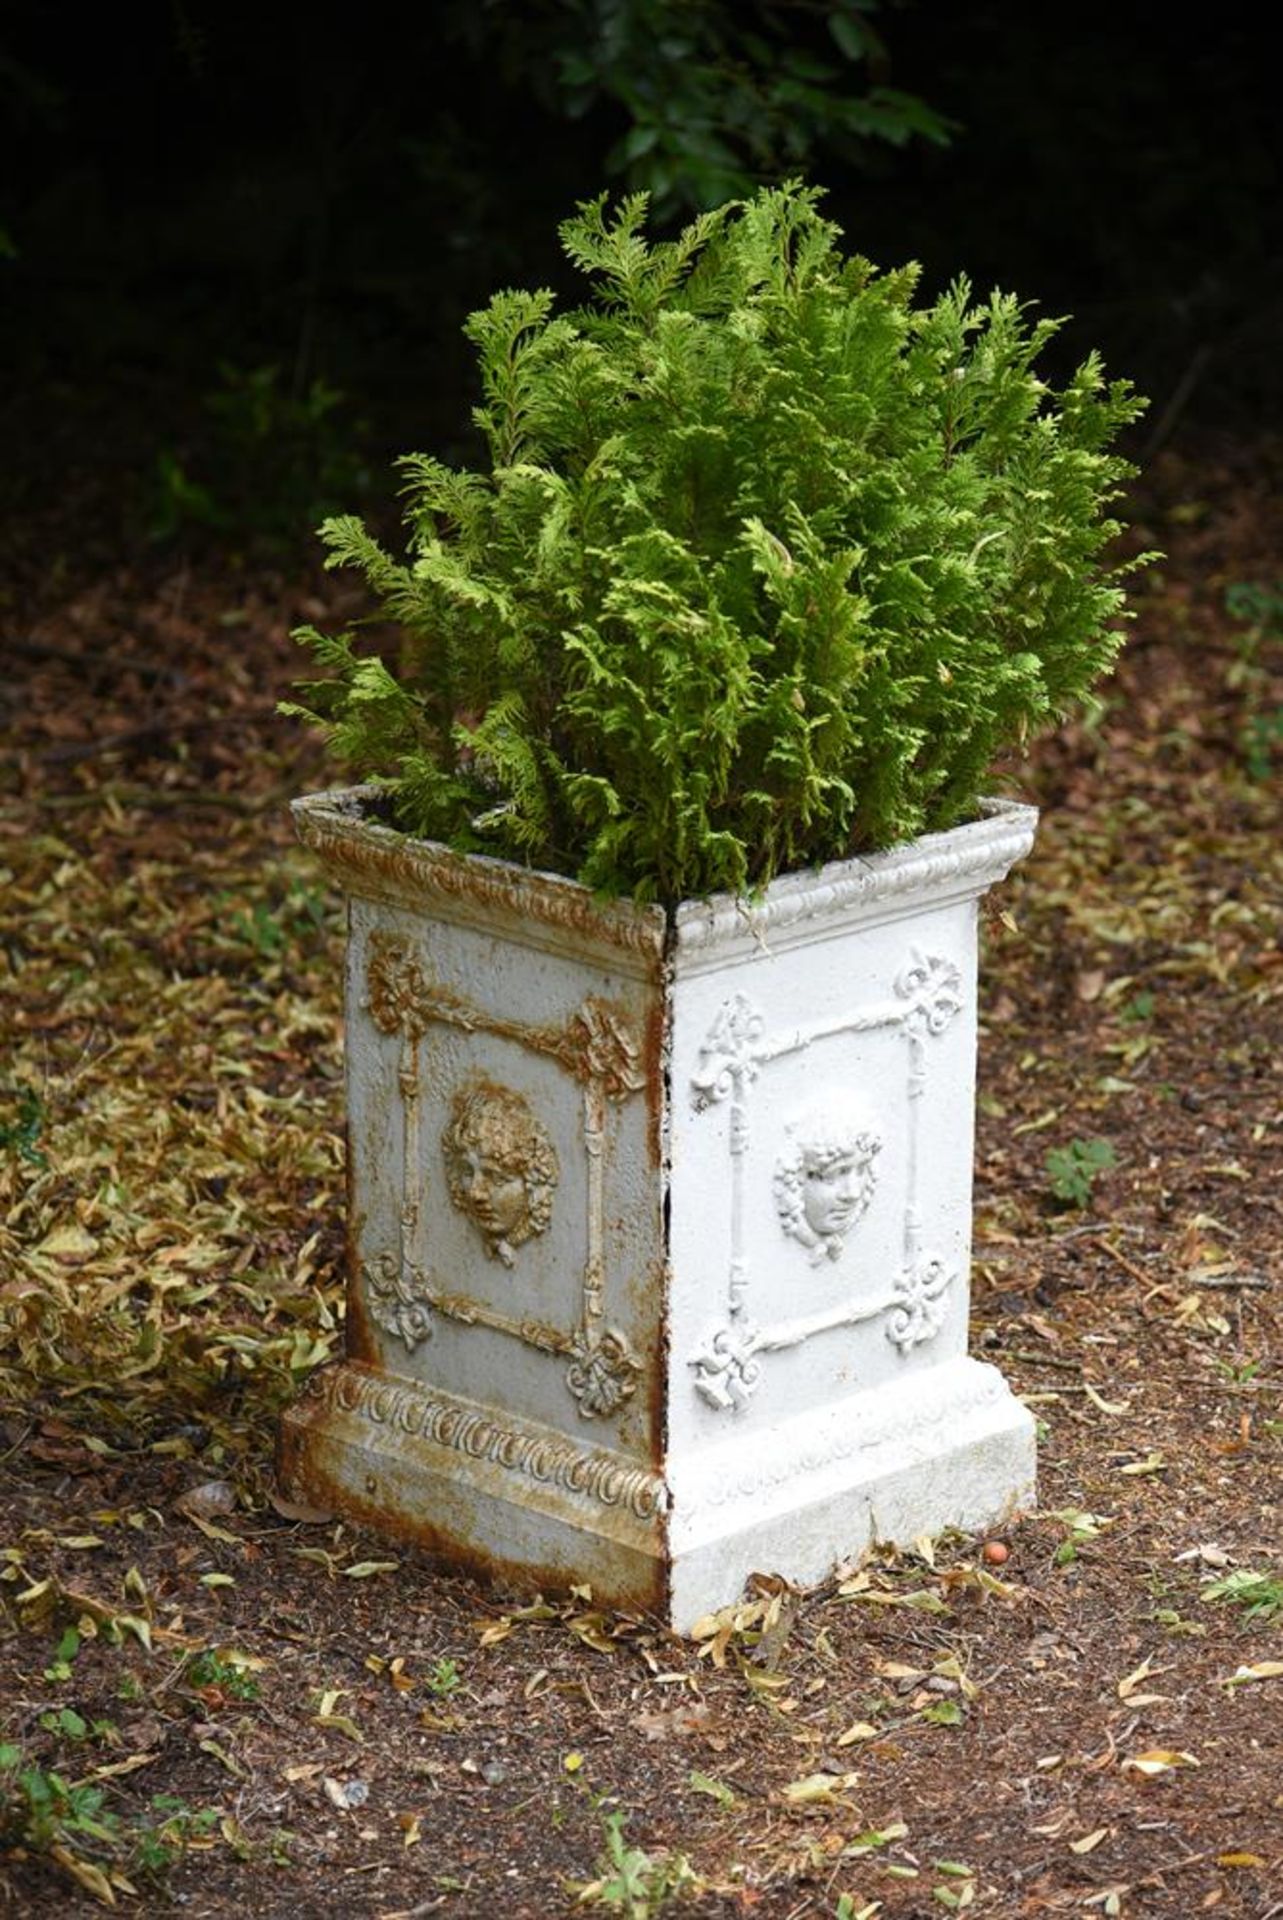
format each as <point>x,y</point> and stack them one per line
<point>660,1237</point>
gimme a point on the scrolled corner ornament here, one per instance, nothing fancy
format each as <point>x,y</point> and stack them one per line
<point>599,1046</point>
<point>727,1370</point>
<point>400,1304</point>
<point>933,987</point>
<point>921,1303</point>
<point>402,997</point>
<point>603,1371</point>
<point>393,986</point>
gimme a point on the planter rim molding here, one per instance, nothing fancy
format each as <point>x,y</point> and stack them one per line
<point>377,862</point>
<point>672,1365</point>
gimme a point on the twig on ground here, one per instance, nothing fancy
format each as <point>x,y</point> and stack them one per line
<point>1128,1266</point>
<point>1043,1360</point>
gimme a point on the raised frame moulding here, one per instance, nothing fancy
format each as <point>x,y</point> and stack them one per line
<point>659,1233</point>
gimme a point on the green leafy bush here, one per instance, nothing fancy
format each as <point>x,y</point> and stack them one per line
<point>768,566</point>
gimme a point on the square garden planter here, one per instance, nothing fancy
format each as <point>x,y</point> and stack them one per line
<point>659,1229</point>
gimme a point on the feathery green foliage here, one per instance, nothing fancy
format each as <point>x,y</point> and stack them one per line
<point>769,565</point>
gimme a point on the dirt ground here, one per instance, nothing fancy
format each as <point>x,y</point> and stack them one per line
<point>213,1704</point>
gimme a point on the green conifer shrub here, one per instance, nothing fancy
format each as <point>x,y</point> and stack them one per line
<point>768,566</point>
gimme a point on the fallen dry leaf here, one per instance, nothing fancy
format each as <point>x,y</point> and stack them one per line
<point>1259,1670</point>
<point>819,1789</point>
<point>1160,1760</point>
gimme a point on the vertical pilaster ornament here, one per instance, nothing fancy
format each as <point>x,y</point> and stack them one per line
<point>727,1062</point>
<point>398,1300</point>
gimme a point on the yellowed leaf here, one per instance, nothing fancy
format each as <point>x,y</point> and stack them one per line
<point>818,1789</point>
<point>224,1759</point>
<point>762,1682</point>
<point>89,1876</point>
<point>1058,1824</point>
<point>874,1840</point>
<point>341,1723</point>
<point>1152,1463</point>
<point>1089,1841</point>
<point>896,1670</point>
<point>1261,1670</point>
<point>116,1768</point>
<point>133,1623</point>
<point>1128,1684</point>
<point>212,1531</point>
<point>591,1629</point>
<point>70,1246</point>
<point>1160,1760</point>
<point>1111,1407</point>
<point>860,1730</point>
<point>951,1668</point>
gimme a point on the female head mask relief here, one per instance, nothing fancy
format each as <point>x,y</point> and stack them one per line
<point>824,1178</point>
<point>501,1167</point>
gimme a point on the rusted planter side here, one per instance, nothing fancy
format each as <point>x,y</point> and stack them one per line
<point>501,1399</point>
<point>659,1234</point>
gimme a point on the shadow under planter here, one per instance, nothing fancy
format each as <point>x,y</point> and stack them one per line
<point>659,1230</point>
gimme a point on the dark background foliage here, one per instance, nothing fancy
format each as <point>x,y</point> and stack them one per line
<point>239,243</point>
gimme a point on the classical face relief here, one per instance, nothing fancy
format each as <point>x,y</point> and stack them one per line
<point>824,1178</point>
<point>501,1167</point>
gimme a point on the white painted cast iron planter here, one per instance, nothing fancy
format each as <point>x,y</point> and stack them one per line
<point>659,1236</point>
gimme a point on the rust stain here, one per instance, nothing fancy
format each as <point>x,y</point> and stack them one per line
<point>355,847</point>
<point>597,1045</point>
<point>624,1578</point>
<point>359,1341</point>
<point>654,1052</point>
